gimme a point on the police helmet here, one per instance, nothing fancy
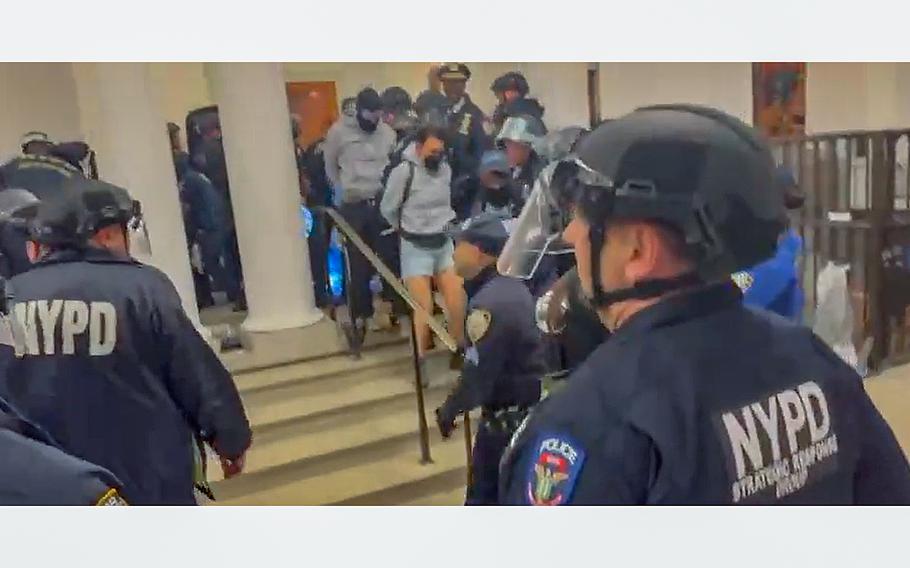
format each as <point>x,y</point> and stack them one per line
<point>454,72</point>
<point>695,169</point>
<point>511,81</point>
<point>17,204</point>
<point>83,207</point>
<point>524,128</point>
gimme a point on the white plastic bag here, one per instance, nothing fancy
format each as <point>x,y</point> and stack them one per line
<point>834,316</point>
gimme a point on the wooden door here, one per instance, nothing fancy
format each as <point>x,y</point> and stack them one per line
<point>316,103</point>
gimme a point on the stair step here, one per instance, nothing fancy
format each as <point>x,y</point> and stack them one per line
<point>297,441</point>
<point>272,377</point>
<point>365,481</point>
<point>299,400</point>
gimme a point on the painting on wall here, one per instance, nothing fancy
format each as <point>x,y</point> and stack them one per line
<point>779,98</point>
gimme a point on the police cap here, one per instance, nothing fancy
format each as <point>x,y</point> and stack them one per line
<point>454,72</point>
<point>487,231</point>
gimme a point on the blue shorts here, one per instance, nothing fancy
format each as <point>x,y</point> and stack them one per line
<point>419,261</point>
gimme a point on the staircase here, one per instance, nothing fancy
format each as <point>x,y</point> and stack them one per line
<point>337,431</point>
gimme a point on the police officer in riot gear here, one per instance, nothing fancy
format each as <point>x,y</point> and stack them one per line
<point>36,143</point>
<point>511,91</point>
<point>502,364</point>
<point>109,364</point>
<point>519,138</point>
<point>695,399</point>
<point>466,138</point>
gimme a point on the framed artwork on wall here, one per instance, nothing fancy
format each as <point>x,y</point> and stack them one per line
<point>779,98</point>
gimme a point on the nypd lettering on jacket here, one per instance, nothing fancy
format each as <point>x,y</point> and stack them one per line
<point>779,444</point>
<point>65,327</point>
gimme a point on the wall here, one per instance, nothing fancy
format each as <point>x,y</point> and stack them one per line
<point>36,96</point>
<point>625,86</point>
<point>857,96</point>
<point>561,87</point>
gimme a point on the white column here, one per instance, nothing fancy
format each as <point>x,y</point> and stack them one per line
<point>253,108</point>
<point>135,154</point>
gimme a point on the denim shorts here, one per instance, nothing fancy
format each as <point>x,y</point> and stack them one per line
<point>419,261</point>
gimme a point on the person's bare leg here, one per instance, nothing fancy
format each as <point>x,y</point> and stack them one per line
<point>419,288</point>
<point>452,288</point>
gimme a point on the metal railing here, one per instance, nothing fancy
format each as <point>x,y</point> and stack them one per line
<point>437,328</point>
<point>857,212</point>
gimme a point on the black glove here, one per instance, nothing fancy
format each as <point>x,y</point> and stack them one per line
<point>445,423</point>
<point>456,360</point>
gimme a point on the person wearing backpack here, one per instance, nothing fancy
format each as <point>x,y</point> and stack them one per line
<point>417,203</point>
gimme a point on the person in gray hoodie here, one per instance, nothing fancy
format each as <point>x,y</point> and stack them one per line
<point>356,152</point>
<point>417,203</point>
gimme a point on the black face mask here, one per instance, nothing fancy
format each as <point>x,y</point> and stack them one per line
<point>432,162</point>
<point>497,197</point>
<point>367,125</point>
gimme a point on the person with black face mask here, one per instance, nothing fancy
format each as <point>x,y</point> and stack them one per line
<point>356,152</point>
<point>490,190</point>
<point>417,203</point>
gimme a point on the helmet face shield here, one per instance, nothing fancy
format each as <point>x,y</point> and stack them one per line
<point>536,232</point>
<point>137,233</point>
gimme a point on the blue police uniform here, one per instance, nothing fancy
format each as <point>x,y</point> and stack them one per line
<point>700,400</point>
<point>503,362</point>
<point>774,284</point>
<point>37,472</point>
<point>116,373</point>
<point>466,138</point>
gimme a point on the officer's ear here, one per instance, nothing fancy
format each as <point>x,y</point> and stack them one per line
<point>33,251</point>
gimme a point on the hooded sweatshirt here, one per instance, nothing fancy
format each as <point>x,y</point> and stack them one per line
<point>428,208</point>
<point>355,159</point>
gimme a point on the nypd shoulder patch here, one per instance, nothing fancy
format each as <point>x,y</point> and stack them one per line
<point>552,475</point>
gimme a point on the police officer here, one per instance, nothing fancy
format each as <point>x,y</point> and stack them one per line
<point>39,173</point>
<point>36,471</point>
<point>110,365</point>
<point>518,139</point>
<point>466,137</point>
<point>511,91</point>
<point>695,399</point>
<point>502,366</point>
<point>356,153</point>
<point>15,204</point>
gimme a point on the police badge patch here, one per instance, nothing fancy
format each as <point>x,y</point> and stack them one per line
<point>743,280</point>
<point>555,469</point>
<point>111,498</point>
<point>477,324</point>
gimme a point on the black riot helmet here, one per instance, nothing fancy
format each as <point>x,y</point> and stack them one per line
<point>701,172</point>
<point>73,216</point>
<point>511,81</point>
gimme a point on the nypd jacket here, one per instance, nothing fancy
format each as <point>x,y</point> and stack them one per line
<point>355,160</point>
<point>37,472</point>
<point>115,372</point>
<point>466,139</point>
<point>700,400</point>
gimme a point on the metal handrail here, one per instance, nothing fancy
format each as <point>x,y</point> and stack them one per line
<point>389,276</point>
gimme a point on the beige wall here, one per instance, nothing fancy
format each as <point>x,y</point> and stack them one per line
<point>857,96</point>
<point>625,86</point>
<point>36,96</point>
